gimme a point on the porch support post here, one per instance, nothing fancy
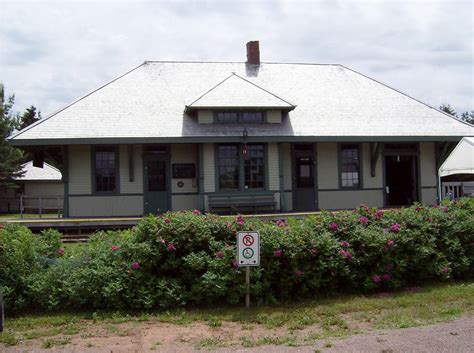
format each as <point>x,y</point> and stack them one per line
<point>282,184</point>
<point>131,173</point>
<point>374,156</point>
<point>65,177</point>
<point>200,176</point>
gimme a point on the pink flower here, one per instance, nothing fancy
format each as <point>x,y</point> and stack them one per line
<point>280,223</point>
<point>136,265</point>
<point>385,230</point>
<point>115,248</point>
<point>240,222</point>
<point>298,273</point>
<point>363,220</point>
<point>364,207</point>
<point>390,243</point>
<point>418,209</point>
<point>278,253</point>
<point>167,220</point>
<point>394,228</point>
<point>333,226</point>
<point>386,277</point>
<point>347,254</point>
<point>445,269</point>
<point>228,224</point>
<point>379,214</point>
<point>196,212</point>
<point>376,279</point>
<point>314,251</point>
<point>162,241</point>
<point>345,244</point>
<point>61,251</point>
<point>445,209</point>
<point>171,247</point>
<point>219,254</point>
<point>235,263</point>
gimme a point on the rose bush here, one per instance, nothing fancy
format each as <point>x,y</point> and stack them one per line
<point>188,258</point>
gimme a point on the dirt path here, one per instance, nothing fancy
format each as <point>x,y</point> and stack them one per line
<point>455,336</point>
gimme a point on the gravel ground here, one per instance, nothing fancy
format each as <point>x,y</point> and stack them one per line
<point>453,337</point>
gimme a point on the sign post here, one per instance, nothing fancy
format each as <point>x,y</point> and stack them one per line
<point>248,254</point>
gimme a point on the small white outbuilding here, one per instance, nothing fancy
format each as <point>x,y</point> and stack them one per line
<point>457,172</point>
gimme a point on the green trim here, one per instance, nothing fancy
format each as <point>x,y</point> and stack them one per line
<point>281,177</point>
<point>339,167</point>
<point>158,156</point>
<point>65,177</point>
<point>294,155</point>
<point>366,189</point>
<point>131,170</point>
<point>315,161</point>
<point>241,186</point>
<point>224,139</point>
<point>184,193</point>
<point>239,116</point>
<point>101,195</point>
<point>416,154</point>
<point>200,162</point>
<point>246,193</point>
<point>117,172</point>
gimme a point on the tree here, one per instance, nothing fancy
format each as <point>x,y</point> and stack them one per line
<point>10,158</point>
<point>466,116</point>
<point>29,117</point>
<point>448,109</point>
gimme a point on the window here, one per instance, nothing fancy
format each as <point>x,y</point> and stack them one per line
<point>228,156</point>
<point>254,166</point>
<point>350,166</point>
<point>184,171</point>
<point>241,166</point>
<point>105,169</point>
<point>240,117</point>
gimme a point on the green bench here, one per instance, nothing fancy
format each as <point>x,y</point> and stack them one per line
<point>240,203</point>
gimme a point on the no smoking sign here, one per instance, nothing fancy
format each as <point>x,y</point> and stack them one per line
<point>248,248</point>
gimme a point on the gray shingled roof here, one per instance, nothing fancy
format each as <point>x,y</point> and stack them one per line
<point>47,173</point>
<point>332,102</point>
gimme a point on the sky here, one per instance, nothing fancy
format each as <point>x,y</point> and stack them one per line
<point>54,52</point>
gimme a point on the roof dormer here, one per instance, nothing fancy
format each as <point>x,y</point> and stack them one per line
<point>236,100</point>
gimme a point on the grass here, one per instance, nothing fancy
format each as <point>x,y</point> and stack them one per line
<point>290,324</point>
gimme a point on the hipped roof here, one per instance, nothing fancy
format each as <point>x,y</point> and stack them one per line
<point>147,104</point>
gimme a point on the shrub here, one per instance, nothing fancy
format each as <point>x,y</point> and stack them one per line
<point>186,258</point>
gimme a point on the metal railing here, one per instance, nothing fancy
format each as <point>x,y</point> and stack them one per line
<point>41,204</point>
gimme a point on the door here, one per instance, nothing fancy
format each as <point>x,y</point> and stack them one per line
<point>156,193</point>
<point>401,180</point>
<point>304,195</point>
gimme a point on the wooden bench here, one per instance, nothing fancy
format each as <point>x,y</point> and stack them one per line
<point>235,204</point>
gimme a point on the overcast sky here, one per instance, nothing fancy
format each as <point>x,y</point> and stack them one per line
<point>54,52</point>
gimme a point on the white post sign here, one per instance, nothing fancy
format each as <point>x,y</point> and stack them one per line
<point>248,248</point>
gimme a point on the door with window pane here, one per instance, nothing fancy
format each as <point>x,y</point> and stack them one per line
<point>304,192</point>
<point>156,185</point>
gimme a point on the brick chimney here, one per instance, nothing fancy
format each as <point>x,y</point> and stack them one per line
<point>253,53</point>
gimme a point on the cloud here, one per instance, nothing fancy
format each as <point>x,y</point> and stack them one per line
<point>54,52</point>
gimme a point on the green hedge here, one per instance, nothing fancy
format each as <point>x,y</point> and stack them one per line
<point>186,258</point>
